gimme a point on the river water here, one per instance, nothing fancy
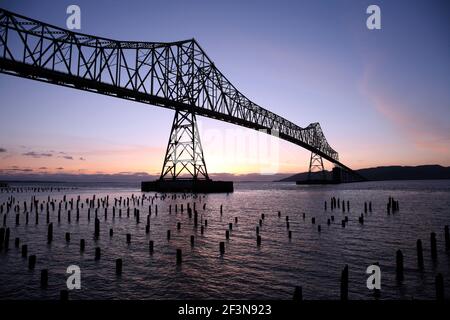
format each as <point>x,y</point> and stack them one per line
<point>310,259</point>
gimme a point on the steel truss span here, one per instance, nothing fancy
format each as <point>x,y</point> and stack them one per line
<point>175,75</point>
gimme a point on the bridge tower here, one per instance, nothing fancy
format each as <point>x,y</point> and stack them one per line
<point>184,167</point>
<point>184,155</point>
<point>316,166</point>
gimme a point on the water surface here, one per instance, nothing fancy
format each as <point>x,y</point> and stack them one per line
<point>310,259</point>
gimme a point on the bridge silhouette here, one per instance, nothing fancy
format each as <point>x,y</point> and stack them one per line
<point>174,75</point>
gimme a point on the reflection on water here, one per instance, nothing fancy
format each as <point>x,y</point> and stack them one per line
<point>310,259</point>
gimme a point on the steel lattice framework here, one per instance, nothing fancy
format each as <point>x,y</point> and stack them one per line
<point>184,151</point>
<point>316,166</point>
<point>176,75</point>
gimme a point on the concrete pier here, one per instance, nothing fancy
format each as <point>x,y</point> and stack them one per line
<point>188,185</point>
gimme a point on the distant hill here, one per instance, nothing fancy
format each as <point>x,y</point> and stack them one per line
<point>425,172</point>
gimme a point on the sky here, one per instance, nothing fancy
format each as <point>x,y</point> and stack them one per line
<point>381,96</point>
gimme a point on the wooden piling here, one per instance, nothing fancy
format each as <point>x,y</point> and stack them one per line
<point>419,253</point>
<point>128,238</point>
<point>298,293</point>
<point>44,278</point>
<point>179,256</point>
<point>399,265</point>
<point>31,262</point>
<point>433,246</point>
<point>82,245</point>
<point>150,246</point>
<point>118,266</point>
<point>439,287</point>
<point>50,233</point>
<point>447,238</point>
<point>64,295</point>
<point>97,228</point>
<point>222,247</point>
<point>168,234</point>
<point>344,284</point>
<point>258,240</point>
<point>97,253</point>
<point>24,250</point>
<point>2,236</point>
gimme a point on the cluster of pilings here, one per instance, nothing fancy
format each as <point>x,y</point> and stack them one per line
<point>439,280</point>
<point>337,204</point>
<point>98,208</point>
<point>35,189</point>
<point>392,206</point>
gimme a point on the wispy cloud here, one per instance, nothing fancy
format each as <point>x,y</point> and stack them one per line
<point>68,157</point>
<point>425,132</point>
<point>131,173</point>
<point>2,150</point>
<point>37,154</point>
<point>15,169</point>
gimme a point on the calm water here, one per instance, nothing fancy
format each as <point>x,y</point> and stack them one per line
<point>310,259</point>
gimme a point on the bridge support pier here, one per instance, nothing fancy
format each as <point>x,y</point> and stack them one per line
<point>337,174</point>
<point>316,167</point>
<point>317,173</point>
<point>184,168</point>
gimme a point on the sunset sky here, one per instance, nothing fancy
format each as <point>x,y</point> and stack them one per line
<point>381,96</point>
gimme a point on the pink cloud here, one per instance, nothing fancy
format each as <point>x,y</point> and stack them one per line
<point>425,132</point>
